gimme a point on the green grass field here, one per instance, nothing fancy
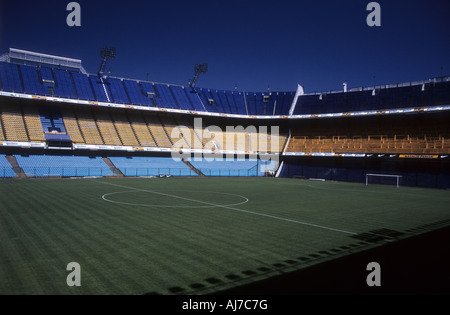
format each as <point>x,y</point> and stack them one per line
<point>194,235</point>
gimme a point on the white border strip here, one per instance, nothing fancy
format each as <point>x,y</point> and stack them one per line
<point>182,111</point>
<point>324,154</point>
<point>26,145</point>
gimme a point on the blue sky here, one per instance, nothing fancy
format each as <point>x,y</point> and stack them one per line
<point>254,44</point>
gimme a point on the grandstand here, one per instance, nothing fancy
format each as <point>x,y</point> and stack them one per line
<point>54,104</point>
<point>59,121</point>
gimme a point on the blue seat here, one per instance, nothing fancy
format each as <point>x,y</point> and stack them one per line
<point>240,103</point>
<point>62,166</point>
<point>10,78</point>
<point>151,166</point>
<point>196,99</point>
<point>31,82</point>
<point>82,86</point>
<point>233,167</point>
<point>181,98</point>
<point>5,168</point>
<point>136,94</point>
<point>63,84</point>
<point>97,86</point>
<point>117,91</point>
<point>166,98</point>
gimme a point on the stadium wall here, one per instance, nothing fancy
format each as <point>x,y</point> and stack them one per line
<point>431,173</point>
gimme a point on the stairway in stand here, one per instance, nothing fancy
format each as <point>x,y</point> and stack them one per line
<point>15,166</point>
<point>196,171</point>
<point>113,168</point>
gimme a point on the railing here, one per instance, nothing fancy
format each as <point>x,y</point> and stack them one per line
<point>231,172</point>
<point>372,144</point>
<point>136,172</point>
<point>67,171</point>
<point>386,86</point>
<point>48,172</point>
<point>44,58</point>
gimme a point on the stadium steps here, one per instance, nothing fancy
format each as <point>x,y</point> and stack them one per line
<point>112,167</point>
<point>2,129</point>
<point>195,170</point>
<point>15,166</point>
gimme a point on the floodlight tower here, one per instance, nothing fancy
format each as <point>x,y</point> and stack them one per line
<point>199,69</point>
<point>106,53</point>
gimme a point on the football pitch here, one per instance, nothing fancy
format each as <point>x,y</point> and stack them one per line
<point>194,235</point>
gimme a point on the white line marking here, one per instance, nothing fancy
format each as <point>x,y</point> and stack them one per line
<point>234,209</point>
<point>104,197</point>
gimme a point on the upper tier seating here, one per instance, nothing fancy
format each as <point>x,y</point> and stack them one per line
<point>75,85</point>
<point>10,77</point>
<point>429,94</point>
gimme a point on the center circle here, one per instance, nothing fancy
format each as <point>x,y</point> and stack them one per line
<point>190,197</point>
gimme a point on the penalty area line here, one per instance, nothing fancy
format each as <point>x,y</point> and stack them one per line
<point>231,208</point>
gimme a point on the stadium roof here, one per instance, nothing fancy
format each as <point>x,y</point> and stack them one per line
<point>35,58</point>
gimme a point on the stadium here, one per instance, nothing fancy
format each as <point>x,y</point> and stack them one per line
<point>158,188</point>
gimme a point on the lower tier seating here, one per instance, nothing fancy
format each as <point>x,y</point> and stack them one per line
<point>62,166</point>
<point>5,168</point>
<point>151,166</point>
